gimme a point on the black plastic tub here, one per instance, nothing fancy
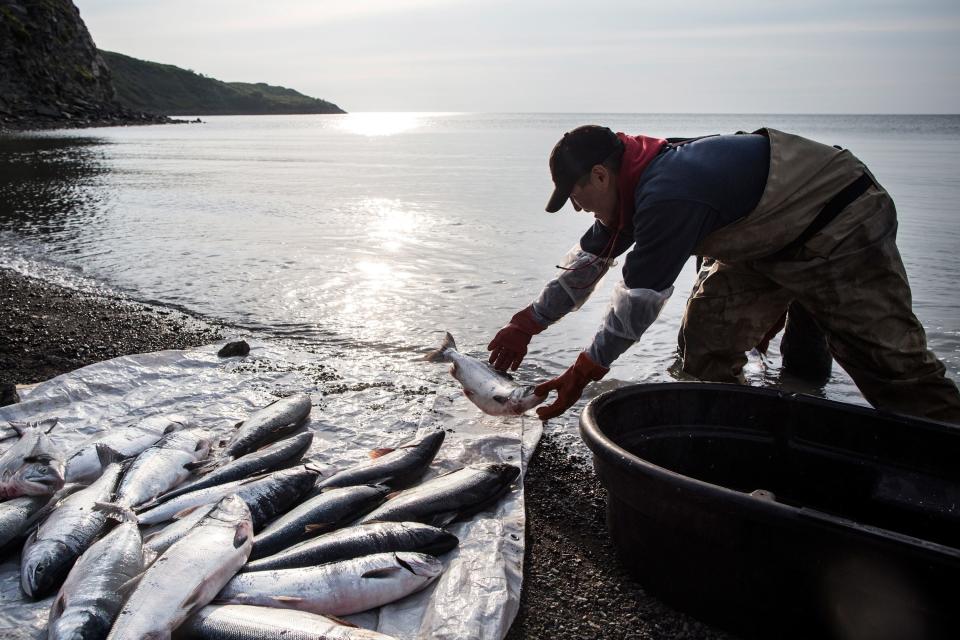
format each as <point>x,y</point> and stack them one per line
<point>780,515</point>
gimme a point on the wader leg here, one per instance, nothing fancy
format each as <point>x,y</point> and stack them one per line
<point>863,302</point>
<point>726,316</point>
<point>804,347</point>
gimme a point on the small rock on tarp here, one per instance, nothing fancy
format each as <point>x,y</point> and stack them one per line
<point>238,348</point>
<point>8,394</point>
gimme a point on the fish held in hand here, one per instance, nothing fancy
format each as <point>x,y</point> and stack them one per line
<point>493,392</point>
<point>33,466</point>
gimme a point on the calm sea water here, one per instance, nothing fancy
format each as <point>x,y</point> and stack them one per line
<point>367,235</point>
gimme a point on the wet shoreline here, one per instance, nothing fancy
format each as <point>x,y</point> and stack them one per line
<point>573,585</point>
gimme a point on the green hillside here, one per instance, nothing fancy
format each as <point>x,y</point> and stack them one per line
<point>164,88</point>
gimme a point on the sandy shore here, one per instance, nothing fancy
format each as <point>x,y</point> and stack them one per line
<point>574,587</point>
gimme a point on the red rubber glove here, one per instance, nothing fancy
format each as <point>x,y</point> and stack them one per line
<point>569,386</point>
<point>510,344</point>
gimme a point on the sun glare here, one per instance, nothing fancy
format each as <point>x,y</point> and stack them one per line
<point>379,124</point>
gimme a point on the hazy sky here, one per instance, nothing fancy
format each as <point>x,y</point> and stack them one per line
<point>753,56</point>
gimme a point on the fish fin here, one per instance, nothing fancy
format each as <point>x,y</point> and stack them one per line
<point>444,519</point>
<point>285,599</point>
<point>501,399</point>
<point>315,467</point>
<point>317,526</point>
<point>116,511</point>
<point>127,587</point>
<point>180,514</point>
<point>44,511</point>
<point>384,572</point>
<point>173,426</point>
<point>468,393</point>
<point>340,621</point>
<point>237,426</point>
<point>446,473</point>
<point>196,464</point>
<point>52,422</point>
<point>19,426</point>
<point>107,456</point>
<point>239,539</point>
<point>194,600</point>
<point>56,609</point>
<point>376,453</point>
<point>438,354</point>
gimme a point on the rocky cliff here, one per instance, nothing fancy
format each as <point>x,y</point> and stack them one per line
<point>51,73</point>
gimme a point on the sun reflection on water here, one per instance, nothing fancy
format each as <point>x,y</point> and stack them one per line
<point>391,223</point>
<point>379,124</point>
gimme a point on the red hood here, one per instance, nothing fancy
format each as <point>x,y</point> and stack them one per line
<point>638,152</point>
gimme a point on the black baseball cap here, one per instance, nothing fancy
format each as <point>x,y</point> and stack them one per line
<point>575,155</point>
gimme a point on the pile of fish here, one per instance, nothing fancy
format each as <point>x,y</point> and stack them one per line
<point>163,527</point>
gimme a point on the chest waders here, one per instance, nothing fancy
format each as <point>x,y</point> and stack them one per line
<point>823,234</point>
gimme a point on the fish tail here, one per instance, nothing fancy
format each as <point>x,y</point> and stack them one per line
<point>203,467</point>
<point>116,511</point>
<point>438,355</point>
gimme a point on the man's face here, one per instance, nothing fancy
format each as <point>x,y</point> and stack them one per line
<point>598,195</point>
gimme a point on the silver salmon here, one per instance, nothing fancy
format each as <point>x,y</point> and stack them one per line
<point>16,514</point>
<point>246,622</point>
<point>162,466</point>
<point>396,468</point>
<point>83,465</point>
<point>74,525</point>
<point>492,391</point>
<point>279,454</point>
<point>330,510</point>
<point>33,466</point>
<point>187,576</point>
<point>338,589</point>
<point>267,496</point>
<point>91,596</point>
<point>157,541</point>
<point>357,541</point>
<point>441,500</point>
<point>263,426</point>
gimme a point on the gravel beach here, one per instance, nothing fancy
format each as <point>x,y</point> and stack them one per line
<point>573,586</point>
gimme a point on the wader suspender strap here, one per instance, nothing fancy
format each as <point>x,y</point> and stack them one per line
<point>673,143</point>
<point>834,206</point>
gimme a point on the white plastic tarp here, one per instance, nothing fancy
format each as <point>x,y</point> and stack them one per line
<point>477,595</point>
